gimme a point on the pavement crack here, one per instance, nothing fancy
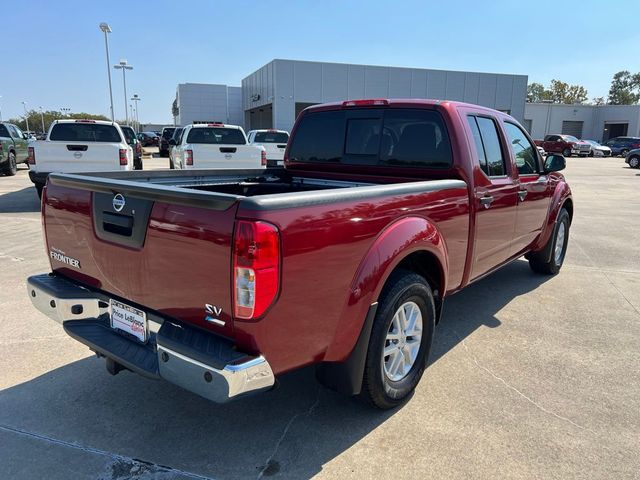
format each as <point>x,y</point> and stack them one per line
<point>521,394</point>
<point>308,412</point>
<point>134,463</point>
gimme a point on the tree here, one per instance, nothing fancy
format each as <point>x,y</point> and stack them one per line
<point>35,119</point>
<point>175,110</point>
<point>598,101</point>
<point>558,92</point>
<point>625,88</point>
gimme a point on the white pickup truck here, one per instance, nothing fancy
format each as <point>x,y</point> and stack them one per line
<point>216,145</point>
<point>273,141</point>
<point>79,146</point>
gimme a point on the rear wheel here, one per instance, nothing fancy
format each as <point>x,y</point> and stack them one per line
<point>634,162</point>
<point>550,259</point>
<point>566,152</point>
<point>10,168</point>
<point>400,340</point>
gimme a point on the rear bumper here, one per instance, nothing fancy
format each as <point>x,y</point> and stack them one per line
<point>191,358</point>
<point>39,178</point>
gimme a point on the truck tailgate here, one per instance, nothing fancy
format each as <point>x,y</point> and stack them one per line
<point>78,156</point>
<point>225,156</point>
<point>159,255</point>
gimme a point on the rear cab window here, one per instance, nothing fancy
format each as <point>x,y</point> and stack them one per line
<point>216,135</point>
<point>85,132</point>
<point>395,137</point>
<point>271,137</point>
<point>487,143</point>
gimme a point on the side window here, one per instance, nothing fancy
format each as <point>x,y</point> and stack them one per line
<point>477,139</point>
<point>492,149</point>
<point>14,131</point>
<point>525,154</point>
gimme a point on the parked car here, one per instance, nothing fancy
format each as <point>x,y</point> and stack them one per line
<point>633,158</point>
<point>13,148</point>
<point>135,144</point>
<point>219,281</point>
<point>566,145</point>
<point>622,145</point>
<point>163,143</point>
<point>598,150</point>
<point>177,139</point>
<point>79,146</point>
<point>273,141</point>
<point>148,139</point>
<point>541,150</point>
<point>216,145</point>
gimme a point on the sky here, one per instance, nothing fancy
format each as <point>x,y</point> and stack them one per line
<point>54,53</point>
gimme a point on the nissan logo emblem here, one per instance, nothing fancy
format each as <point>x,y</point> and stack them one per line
<point>77,155</point>
<point>118,202</point>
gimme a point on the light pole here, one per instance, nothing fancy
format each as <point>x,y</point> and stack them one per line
<point>26,115</point>
<point>42,118</point>
<point>124,66</point>
<point>136,99</point>
<point>107,29</point>
<point>65,111</point>
<point>0,111</point>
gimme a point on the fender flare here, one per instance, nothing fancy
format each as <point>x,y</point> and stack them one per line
<point>561,195</point>
<point>344,360</point>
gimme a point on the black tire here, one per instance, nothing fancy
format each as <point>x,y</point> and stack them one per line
<point>171,165</point>
<point>377,388</point>
<point>137,164</point>
<point>591,153</point>
<point>546,261</point>
<point>9,167</point>
<point>634,162</point>
<point>566,152</point>
<point>39,188</point>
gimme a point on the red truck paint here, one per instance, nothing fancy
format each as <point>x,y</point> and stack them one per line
<point>335,257</point>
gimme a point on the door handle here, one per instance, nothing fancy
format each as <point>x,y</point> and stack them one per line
<point>522,194</point>
<point>486,201</point>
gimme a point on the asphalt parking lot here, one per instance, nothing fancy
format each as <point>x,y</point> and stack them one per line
<point>530,377</point>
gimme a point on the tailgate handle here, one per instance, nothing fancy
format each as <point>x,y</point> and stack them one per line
<point>118,224</point>
<point>228,150</point>
<point>77,148</point>
<point>282,146</point>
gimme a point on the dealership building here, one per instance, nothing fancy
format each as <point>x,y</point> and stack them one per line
<point>273,95</point>
<point>592,122</point>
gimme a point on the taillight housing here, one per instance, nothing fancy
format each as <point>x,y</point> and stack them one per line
<point>123,156</point>
<point>256,268</point>
<point>263,158</point>
<point>188,157</point>
<point>635,145</point>
<point>32,156</point>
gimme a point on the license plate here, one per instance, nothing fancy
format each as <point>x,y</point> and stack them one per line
<point>128,319</point>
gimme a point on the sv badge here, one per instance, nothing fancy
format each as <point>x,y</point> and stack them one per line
<point>212,313</point>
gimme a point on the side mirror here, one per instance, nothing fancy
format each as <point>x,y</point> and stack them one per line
<point>554,163</point>
<point>25,136</point>
<point>172,142</point>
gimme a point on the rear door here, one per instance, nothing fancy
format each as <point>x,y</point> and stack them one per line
<point>496,194</point>
<point>533,188</point>
<point>81,146</point>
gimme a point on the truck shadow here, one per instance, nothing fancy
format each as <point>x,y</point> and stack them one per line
<point>19,201</point>
<point>289,432</point>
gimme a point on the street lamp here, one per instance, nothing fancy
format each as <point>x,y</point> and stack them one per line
<point>0,111</point>
<point>65,111</point>
<point>136,99</point>
<point>107,29</point>
<point>41,117</point>
<point>123,65</point>
<point>26,115</point>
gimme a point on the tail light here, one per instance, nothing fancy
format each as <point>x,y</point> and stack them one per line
<point>635,145</point>
<point>256,268</point>
<point>365,103</point>
<point>32,156</point>
<point>123,156</point>
<point>263,158</point>
<point>188,159</point>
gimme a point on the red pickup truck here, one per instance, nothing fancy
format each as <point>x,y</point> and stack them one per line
<point>219,281</point>
<point>566,145</point>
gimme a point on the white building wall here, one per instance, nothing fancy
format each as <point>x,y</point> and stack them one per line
<point>199,102</point>
<point>547,118</point>
<point>283,83</point>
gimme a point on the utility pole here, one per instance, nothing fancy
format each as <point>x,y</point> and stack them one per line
<point>42,118</point>
<point>124,66</point>
<point>136,99</point>
<point>107,29</point>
